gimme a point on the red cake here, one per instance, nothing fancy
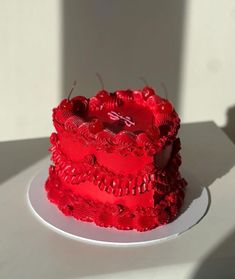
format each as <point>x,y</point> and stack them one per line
<point>116,160</point>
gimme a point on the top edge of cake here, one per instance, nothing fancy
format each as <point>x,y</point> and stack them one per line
<point>138,121</point>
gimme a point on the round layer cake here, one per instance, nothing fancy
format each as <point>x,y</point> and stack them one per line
<point>116,160</point>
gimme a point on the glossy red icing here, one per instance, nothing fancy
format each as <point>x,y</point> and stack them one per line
<point>116,160</point>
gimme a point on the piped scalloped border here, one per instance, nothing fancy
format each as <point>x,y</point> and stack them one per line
<point>70,122</point>
<point>162,181</point>
<point>89,169</point>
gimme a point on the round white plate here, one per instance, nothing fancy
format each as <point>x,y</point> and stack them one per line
<point>195,207</point>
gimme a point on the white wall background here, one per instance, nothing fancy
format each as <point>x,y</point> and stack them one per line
<point>208,72</point>
<point>34,73</point>
<point>30,66</point>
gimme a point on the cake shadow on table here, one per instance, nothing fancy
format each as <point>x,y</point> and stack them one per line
<point>21,154</point>
<point>192,192</point>
<point>216,266</point>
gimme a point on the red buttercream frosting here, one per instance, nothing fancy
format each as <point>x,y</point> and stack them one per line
<point>116,160</point>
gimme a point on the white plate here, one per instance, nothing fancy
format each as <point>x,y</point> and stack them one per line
<point>195,207</point>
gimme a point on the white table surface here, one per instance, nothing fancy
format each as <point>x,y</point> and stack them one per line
<point>28,249</point>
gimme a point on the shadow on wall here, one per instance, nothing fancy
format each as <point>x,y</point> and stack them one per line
<point>123,40</point>
<point>229,128</point>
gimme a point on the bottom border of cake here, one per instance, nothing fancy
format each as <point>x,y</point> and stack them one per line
<point>196,205</point>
